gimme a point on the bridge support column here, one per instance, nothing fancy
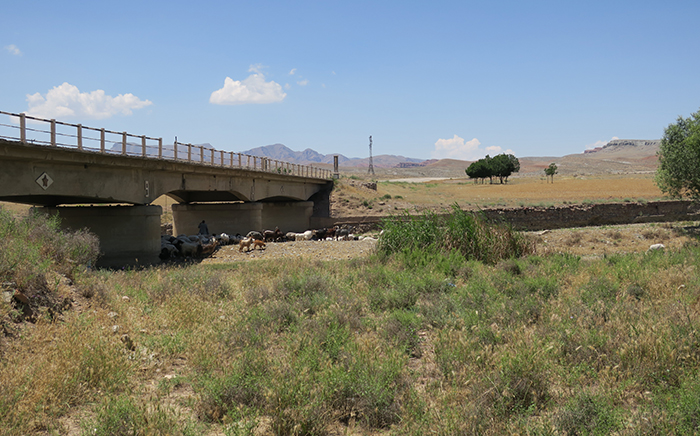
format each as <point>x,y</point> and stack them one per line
<point>231,218</point>
<point>322,201</point>
<point>290,216</point>
<point>129,235</point>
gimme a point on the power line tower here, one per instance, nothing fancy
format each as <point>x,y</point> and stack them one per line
<point>371,164</point>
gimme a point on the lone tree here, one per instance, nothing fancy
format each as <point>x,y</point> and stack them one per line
<point>678,173</point>
<point>550,171</point>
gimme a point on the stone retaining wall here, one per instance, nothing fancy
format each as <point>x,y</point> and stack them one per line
<point>558,217</point>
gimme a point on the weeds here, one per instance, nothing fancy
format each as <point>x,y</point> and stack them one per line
<point>420,340</point>
<point>465,232</point>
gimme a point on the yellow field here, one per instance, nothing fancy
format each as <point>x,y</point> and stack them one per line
<point>525,191</point>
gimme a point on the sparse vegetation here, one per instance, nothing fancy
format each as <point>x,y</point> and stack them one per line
<point>420,339</point>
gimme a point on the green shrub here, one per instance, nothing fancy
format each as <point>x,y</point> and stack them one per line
<point>125,416</point>
<point>470,234</point>
<point>32,245</point>
<point>588,414</point>
<point>401,329</point>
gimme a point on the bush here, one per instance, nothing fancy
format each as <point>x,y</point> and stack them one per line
<point>470,234</point>
<point>32,245</point>
<point>125,416</point>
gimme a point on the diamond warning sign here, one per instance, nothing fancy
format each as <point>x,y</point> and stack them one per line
<point>44,181</point>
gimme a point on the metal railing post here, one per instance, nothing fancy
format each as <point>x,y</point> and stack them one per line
<point>23,128</point>
<point>175,150</point>
<point>53,132</point>
<point>124,144</point>
<point>80,137</point>
<point>160,148</point>
<point>143,145</point>
<point>201,154</point>
<point>102,140</point>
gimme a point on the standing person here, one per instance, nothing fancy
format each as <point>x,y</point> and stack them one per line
<point>203,228</point>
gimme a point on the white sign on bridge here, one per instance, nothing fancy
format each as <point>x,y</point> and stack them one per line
<point>44,181</point>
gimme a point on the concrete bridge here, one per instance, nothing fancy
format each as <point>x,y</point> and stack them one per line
<point>106,181</point>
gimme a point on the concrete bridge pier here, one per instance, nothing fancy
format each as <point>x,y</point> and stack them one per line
<point>233,218</point>
<point>129,235</point>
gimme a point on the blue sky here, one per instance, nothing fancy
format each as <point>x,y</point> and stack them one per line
<point>432,79</point>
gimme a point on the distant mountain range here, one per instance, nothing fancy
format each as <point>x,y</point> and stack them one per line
<point>617,153</point>
<point>309,156</point>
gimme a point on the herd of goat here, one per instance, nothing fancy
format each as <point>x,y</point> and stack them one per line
<point>185,246</point>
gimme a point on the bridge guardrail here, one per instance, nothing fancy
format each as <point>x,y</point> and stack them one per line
<point>77,136</point>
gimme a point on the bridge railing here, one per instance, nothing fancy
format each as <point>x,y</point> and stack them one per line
<point>33,130</point>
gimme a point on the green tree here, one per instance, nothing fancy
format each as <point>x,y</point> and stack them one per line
<point>678,173</point>
<point>480,169</point>
<point>551,170</point>
<point>504,165</point>
<point>501,166</point>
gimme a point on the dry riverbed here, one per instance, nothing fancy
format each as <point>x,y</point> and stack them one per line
<point>584,241</point>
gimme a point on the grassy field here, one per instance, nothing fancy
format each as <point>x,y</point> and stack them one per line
<point>529,191</point>
<point>419,338</point>
<point>351,200</point>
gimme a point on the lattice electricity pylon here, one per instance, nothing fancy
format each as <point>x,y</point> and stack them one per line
<point>371,164</point>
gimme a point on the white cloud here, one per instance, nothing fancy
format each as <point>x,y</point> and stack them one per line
<point>600,143</point>
<point>67,101</point>
<point>13,49</point>
<point>294,70</point>
<point>458,148</point>
<point>303,82</point>
<point>252,90</point>
<point>256,68</point>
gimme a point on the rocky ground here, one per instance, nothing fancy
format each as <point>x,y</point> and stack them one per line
<point>605,240</point>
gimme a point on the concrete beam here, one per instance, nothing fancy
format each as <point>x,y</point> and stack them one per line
<point>51,176</point>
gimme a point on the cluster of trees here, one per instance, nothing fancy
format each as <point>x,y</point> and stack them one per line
<point>500,166</point>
